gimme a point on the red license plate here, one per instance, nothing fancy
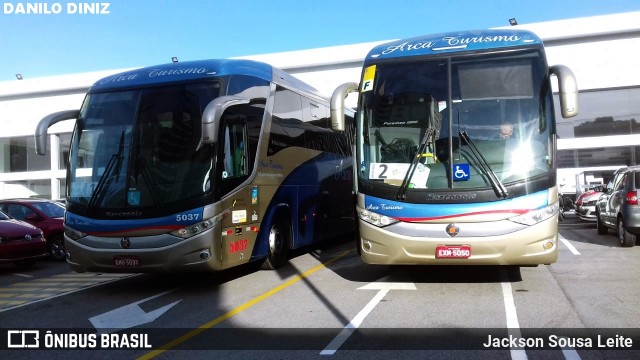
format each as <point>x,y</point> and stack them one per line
<point>453,252</point>
<point>126,261</point>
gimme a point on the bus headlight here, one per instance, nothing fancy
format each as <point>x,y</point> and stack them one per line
<point>375,218</point>
<point>536,216</point>
<point>73,234</point>
<point>197,228</point>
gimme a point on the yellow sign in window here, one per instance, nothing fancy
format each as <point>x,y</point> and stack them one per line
<point>367,79</point>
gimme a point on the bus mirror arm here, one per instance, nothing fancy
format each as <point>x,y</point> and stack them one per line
<point>46,123</point>
<point>337,104</point>
<point>568,90</point>
<point>213,113</point>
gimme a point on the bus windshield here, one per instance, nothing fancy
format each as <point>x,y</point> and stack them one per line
<point>468,123</point>
<point>141,148</point>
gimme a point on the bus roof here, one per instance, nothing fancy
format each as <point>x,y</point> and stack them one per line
<point>199,69</point>
<point>454,42</point>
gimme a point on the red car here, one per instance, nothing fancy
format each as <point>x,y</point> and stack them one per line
<point>20,243</point>
<point>45,214</point>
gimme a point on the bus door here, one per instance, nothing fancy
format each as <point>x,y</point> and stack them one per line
<point>240,223</point>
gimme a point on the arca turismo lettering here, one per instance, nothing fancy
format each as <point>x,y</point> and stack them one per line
<point>118,78</point>
<point>182,71</point>
<point>409,46</point>
<point>451,41</point>
<point>459,40</point>
<point>384,207</point>
<point>56,8</point>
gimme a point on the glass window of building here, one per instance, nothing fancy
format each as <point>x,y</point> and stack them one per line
<point>604,116</point>
<point>65,140</point>
<point>19,155</point>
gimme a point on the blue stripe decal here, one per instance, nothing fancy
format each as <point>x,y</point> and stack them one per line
<point>169,222</point>
<point>417,212</point>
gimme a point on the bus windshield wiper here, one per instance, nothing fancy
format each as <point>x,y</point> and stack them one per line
<point>139,166</point>
<point>497,185</point>
<point>112,166</point>
<point>428,135</point>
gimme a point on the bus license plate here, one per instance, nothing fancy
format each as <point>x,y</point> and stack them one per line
<point>453,252</point>
<point>126,261</point>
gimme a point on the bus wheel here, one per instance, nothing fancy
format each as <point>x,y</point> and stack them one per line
<point>279,240</point>
<point>56,248</point>
<point>356,231</point>
<point>358,240</point>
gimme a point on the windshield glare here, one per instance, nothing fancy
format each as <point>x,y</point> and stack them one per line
<point>482,116</point>
<point>141,148</point>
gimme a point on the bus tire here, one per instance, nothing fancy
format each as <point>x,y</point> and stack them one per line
<point>356,231</point>
<point>56,248</point>
<point>279,238</point>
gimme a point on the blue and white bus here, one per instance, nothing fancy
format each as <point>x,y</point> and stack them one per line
<point>456,149</point>
<point>201,165</point>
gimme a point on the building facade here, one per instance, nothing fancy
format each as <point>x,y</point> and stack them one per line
<point>601,51</point>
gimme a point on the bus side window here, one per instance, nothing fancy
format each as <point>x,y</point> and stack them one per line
<point>240,129</point>
<point>235,151</point>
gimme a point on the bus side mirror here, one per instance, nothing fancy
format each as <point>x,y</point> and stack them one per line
<point>568,90</point>
<point>212,114</point>
<point>45,124</point>
<point>337,104</point>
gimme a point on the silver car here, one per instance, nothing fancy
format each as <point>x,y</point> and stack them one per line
<point>617,208</point>
<point>585,206</point>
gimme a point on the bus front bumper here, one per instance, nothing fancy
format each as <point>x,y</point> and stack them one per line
<point>417,243</point>
<point>102,254</point>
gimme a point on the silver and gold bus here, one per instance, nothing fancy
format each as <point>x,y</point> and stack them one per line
<point>456,149</point>
<point>201,165</point>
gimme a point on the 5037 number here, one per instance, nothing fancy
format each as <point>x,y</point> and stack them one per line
<point>187,217</point>
<point>239,245</point>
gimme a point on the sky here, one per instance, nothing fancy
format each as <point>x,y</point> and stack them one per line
<point>134,33</point>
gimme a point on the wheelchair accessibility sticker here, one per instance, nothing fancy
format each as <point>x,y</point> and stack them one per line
<point>461,172</point>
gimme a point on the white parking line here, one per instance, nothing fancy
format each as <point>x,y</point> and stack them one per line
<point>73,282</point>
<point>512,316</point>
<point>570,354</point>
<point>23,275</point>
<point>513,325</point>
<point>570,246</point>
<point>335,344</point>
<point>383,288</point>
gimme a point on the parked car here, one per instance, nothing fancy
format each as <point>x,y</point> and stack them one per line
<point>20,243</point>
<point>44,214</point>
<point>618,208</point>
<point>564,203</point>
<point>585,205</point>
